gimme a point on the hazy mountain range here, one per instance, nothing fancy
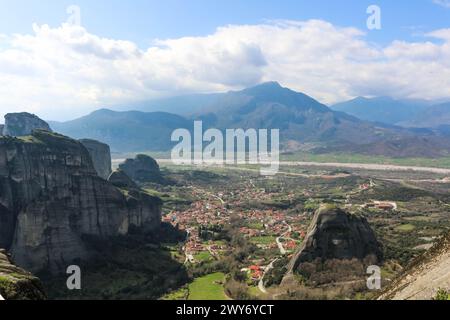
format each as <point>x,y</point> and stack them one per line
<point>383,109</point>
<point>435,116</point>
<point>130,131</point>
<point>303,122</point>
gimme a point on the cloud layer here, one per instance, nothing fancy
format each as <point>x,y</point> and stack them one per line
<point>443,3</point>
<point>64,72</point>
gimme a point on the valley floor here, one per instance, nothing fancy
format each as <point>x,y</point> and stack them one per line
<point>237,230</point>
<point>408,210</point>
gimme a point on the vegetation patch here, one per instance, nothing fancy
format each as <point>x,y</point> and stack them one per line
<point>263,240</point>
<point>209,287</point>
<point>203,256</point>
<point>406,228</point>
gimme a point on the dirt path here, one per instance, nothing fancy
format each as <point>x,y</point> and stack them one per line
<point>278,240</point>
<point>261,286</point>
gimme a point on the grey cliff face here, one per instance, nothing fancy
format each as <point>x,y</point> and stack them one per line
<point>336,234</point>
<point>51,196</point>
<point>23,124</point>
<point>2,126</point>
<point>142,169</point>
<point>100,155</point>
<point>18,284</point>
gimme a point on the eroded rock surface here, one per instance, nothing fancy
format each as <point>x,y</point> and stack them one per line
<point>142,169</point>
<point>23,124</point>
<point>100,155</point>
<point>120,179</point>
<point>51,197</point>
<point>425,277</point>
<point>337,234</point>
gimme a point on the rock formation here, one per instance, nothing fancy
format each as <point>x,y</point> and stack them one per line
<point>120,179</point>
<point>16,283</point>
<point>425,277</point>
<point>22,124</point>
<point>51,198</point>
<point>100,155</point>
<point>336,234</point>
<point>142,169</point>
<point>2,126</point>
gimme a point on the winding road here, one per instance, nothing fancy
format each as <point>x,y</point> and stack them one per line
<point>278,240</point>
<point>283,251</point>
<point>261,286</point>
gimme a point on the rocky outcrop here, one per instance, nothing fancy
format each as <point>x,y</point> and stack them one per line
<point>23,124</point>
<point>51,199</point>
<point>120,179</point>
<point>2,126</point>
<point>16,283</point>
<point>100,155</point>
<point>142,169</point>
<point>336,234</point>
<point>425,278</point>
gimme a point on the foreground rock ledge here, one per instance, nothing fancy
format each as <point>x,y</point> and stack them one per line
<point>16,283</point>
<point>423,279</point>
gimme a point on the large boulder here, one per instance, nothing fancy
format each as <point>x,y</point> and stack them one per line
<point>52,200</point>
<point>120,179</point>
<point>337,234</point>
<point>100,155</point>
<point>142,169</point>
<point>23,124</point>
<point>16,283</point>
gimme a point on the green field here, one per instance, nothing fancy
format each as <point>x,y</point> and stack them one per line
<point>208,288</point>
<point>255,292</point>
<point>256,226</point>
<point>265,240</point>
<point>406,228</point>
<point>203,256</point>
<point>180,294</point>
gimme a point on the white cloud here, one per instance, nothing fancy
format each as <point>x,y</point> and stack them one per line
<point>443,3</point>
<point>66,71</point>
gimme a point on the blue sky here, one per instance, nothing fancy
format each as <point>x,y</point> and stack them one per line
<point>129,51</point>
<point>144,20</point>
